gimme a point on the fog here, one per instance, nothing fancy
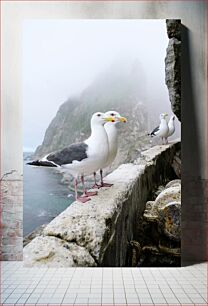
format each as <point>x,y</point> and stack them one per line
<point>62,57</point>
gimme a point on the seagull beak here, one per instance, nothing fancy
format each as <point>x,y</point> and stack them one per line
<point>109,119</point>
<point>122,119</point>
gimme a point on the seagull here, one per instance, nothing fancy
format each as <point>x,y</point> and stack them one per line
<point>112,132</point>
<point>82,158</point>
<point>171,126</point>
<point>162,129</point>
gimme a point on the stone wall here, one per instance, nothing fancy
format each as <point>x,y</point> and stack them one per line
<point>98,233</point>
<point>11,216</point>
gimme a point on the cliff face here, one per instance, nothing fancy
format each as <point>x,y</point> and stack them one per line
<point>173,65</point>
<point>117,89</point>
<point>57,131</point>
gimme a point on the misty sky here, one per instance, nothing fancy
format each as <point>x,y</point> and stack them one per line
<point>62,57</point>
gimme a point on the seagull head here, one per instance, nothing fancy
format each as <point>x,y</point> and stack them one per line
<point>99,118</point>
<point>117,117</point>
<point>163,116</point>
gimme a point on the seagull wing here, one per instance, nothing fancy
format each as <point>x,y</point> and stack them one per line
<point>67,155</point>
<point>77,151</point>
<point>155,131</point>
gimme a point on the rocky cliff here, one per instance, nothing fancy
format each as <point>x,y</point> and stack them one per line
<point>173,65</point>
<point>120,88</point>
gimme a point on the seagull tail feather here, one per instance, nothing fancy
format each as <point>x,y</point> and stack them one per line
<point>150,134</point>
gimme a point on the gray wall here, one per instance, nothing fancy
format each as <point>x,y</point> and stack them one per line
<point>194,102</point>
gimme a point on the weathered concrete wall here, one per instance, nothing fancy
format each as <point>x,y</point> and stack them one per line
<point>102,228</point>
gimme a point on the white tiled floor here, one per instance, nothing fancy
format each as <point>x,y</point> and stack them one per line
<point>99,286</point>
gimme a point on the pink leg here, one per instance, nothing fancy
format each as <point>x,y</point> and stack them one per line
<point>102,183</point>
<point>95,185</point>
<point>75,188</point>
<point>85,192</point>
<point>79,199</point>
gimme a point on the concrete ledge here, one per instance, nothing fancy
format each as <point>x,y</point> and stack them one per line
<point>103,226</point>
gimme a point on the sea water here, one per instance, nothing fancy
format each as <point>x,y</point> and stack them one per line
<point>44,196</point>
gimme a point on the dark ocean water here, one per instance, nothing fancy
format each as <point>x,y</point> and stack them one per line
<point>44,196</point>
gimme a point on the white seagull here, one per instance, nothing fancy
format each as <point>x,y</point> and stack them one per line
<point>161,130</point>
<point>82,158</point>
<point>112,132</point>
<point>171,126</point>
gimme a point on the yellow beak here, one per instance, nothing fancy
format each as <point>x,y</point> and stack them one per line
<point>109,119</point>
<point>122,119</point>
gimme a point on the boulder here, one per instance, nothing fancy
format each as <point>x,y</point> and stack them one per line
<point>168,195</point>
<point>173,183</point>
<point>171,193</point>
<point>169,220</point>
<point>166,210</point>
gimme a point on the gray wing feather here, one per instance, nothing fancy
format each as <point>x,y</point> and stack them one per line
<point>77,151</point>
<point>154,131</point>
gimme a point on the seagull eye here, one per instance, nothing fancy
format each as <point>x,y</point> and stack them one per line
<point>98,115</point>
<point>112,114</point>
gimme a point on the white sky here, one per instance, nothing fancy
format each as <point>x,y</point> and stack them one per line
<point>62,57</point>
